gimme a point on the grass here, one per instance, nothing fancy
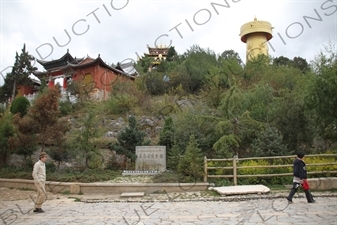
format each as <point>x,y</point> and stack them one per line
<point>277,187</point>
<point>169,177</point>
<point>210,193</point>
<point>159,192</point>
<point>75,199</point>
<point>26,189</point>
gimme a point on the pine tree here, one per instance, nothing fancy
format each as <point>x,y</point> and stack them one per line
<point>173,157</point>
<point>191,164</point>
<point>128,139</point>
<point>269,143</point>
<point>167,135</point>
<point>171,54</point>
<point>21,70</point>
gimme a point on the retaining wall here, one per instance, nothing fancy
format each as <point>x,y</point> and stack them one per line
<point>321,184</point>
<point>324,183</point>
<point>110,188</point>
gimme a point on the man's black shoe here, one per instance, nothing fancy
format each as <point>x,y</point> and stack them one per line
<point>38,210</point>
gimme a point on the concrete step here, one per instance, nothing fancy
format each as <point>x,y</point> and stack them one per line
<point>132,194</point>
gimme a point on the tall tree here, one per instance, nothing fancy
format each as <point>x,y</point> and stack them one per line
<point>198,62</point>
<point>81,142</point>
<point>6,132</point>
<point>6,89</point>
<point>45,117</point>
<point>231,55</point>
<point>322,96</point>
<point>301,64</point>
<point>281,61</point>
<point>171,54</point>
<point>24,141</point>
<point>269,143</point>
<point>21,70</point>
<point>191,164</point>
<point>167,135</point>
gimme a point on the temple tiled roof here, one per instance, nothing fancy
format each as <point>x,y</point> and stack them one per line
<point>128,68</point>
<point>67,63</point>
<point>63,61</point>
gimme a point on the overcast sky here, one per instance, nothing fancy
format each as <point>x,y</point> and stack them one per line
<point>120,30</point>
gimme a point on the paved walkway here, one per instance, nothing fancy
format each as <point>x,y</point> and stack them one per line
<point>261,210</point>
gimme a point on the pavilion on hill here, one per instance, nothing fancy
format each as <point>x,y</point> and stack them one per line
<point>157,53</point>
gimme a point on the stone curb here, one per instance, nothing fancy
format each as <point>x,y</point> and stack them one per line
<point>211,199</point>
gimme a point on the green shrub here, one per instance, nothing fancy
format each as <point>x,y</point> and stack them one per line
<point>122,103</point>
<point>321,160</point>
<point>94,160</point>
<point>20,105</point>
<point>253,171</point>
<point>65,108</point>
<point>220,171</point>
<point>50,167</point>
<point>219,182</point>
<point>2,108</point>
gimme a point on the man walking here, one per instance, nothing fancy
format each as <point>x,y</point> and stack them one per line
<point>39,175</point>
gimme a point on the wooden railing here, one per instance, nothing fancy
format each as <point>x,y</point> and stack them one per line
<point>235,161</point>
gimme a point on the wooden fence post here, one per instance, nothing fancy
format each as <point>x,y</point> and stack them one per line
<point>234,170</point>
<point>205,169</point>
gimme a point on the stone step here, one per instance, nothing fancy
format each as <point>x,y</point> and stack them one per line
<point>132,194</point>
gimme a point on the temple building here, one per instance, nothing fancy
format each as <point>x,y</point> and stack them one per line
<point>96,76</point>
<point>158,53</point>
<point>256,34</point>
<point>23,90</point>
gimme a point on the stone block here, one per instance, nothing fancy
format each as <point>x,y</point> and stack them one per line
<point>132,194</point>
<point>242,189</point>
<point>151,158</point>
<point>75,188</point>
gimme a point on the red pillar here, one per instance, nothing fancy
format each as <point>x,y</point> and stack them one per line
<point>51,83</point>
<point>64,83</point>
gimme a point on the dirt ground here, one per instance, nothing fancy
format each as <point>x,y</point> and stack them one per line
<point>8,194</point>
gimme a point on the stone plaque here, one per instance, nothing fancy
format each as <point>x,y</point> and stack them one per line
<point>151,158</point>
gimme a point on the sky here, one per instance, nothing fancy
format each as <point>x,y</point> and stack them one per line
<point>121,30</point>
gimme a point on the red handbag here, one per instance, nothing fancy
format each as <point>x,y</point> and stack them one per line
<point>305,185</point>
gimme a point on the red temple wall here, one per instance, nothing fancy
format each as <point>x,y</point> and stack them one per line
<point>98,76</point>
<point>24,90</point>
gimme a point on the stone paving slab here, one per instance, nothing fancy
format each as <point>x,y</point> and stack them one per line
<point>261,210</point>
<point>242,189</point>
<point>132,194</point>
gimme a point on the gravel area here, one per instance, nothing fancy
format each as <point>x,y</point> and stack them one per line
<point>131,179</point>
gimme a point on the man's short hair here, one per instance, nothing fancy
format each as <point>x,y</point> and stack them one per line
<point>300,155</point>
